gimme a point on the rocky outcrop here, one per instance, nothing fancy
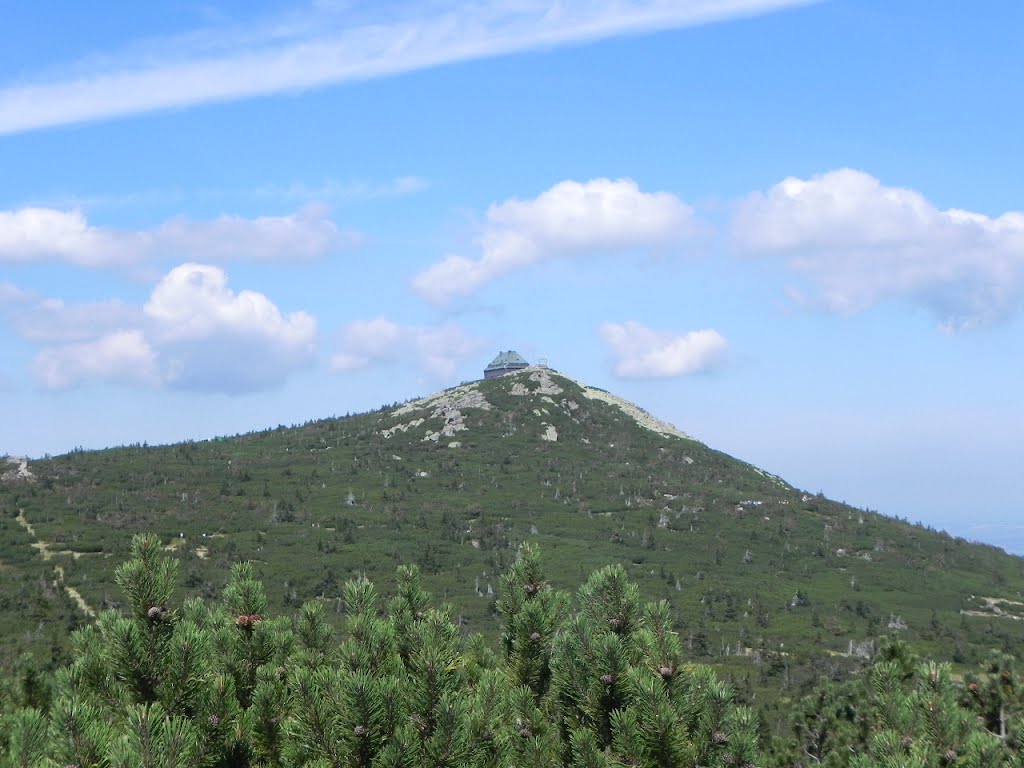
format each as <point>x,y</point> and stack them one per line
<point>20,470</point>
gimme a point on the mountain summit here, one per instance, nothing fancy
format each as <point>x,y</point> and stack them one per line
<point>755,569</point>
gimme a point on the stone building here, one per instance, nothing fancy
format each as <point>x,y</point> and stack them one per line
<point>505,362</point>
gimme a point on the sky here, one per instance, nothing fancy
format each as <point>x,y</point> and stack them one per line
<point>793,229</point>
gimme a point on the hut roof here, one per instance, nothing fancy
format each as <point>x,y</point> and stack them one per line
<point>510,359</point>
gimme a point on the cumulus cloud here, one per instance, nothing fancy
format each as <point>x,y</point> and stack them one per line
<point>45,234</point>
<point>434,350</point>
<point>571,218</point>
<point>640,352</point>
<point>194,333</point>
<point>331,43</point>
<point>211,338</point>
<point>861,242</point>
<point>121,356</point>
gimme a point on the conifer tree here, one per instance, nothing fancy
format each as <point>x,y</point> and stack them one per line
<point>621,688</point>
<point>997,694</point>
<point>25,737</point>
<point>531,612</point>
<point>903,711</point>
<point>224,685</point>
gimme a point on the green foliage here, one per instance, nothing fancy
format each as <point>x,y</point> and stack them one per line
<point>226,686</point>
<point>758,568</point>
<point>772,586</point>
<point>530,611</point>
<point>902,711</point>
<point>599,681</point>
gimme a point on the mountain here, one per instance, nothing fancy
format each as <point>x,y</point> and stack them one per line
<point>765,580</point>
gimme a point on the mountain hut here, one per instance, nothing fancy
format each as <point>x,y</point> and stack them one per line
<point>506,362</point>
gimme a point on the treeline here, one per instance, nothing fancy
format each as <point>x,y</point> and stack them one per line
<point>594,680</point>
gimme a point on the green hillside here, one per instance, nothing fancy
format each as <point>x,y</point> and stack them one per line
<point>769,583</point>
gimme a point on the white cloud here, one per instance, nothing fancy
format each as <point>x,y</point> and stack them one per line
<point>366,341</point>
<point>571,218</point>
<point>33,234</point>
<point>329,190</point>
<point>862,242</point>
<point>12,294</point>
<point>331,45</point>
<point>213,339</point>
<point>344,362</point>
<point>440,349</point>
<point>194,333</point>
<point>51,320</point>
<point>640,352</point>
<point>122,356</point>
<point>333,189</point>
<point>434,350</point>
<point>39,234</point>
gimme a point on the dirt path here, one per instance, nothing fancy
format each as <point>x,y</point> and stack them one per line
<point>991,609</point>
<point>24,523</point>
<point>46,553</point>
<point>73,593</point>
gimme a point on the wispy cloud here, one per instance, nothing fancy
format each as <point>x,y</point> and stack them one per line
<point>436,350</point>
<point>328,190</point>
<point>327,46</point>
<point>54,321</point>
<point>12,294</point>
<point>335,190</point>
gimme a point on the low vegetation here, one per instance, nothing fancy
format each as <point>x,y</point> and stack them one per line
<point>599,680</point>
<point>773,587</point>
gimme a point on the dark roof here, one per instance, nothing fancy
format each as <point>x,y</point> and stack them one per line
<point>504,360</point>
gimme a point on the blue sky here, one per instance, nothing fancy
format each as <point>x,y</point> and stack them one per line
<point>793,229</point>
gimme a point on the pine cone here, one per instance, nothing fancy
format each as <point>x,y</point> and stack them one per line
<point>156,613</point>
<point>666,672</point>
<point>608,679</point>
<point>950,755</point>
<point>248,620</point>
<point>719,737</point>
<point>535,636</point>
<point>359,730</point>
<point>615,623</point>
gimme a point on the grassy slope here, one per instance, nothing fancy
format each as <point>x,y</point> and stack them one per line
<point>316,504</point>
